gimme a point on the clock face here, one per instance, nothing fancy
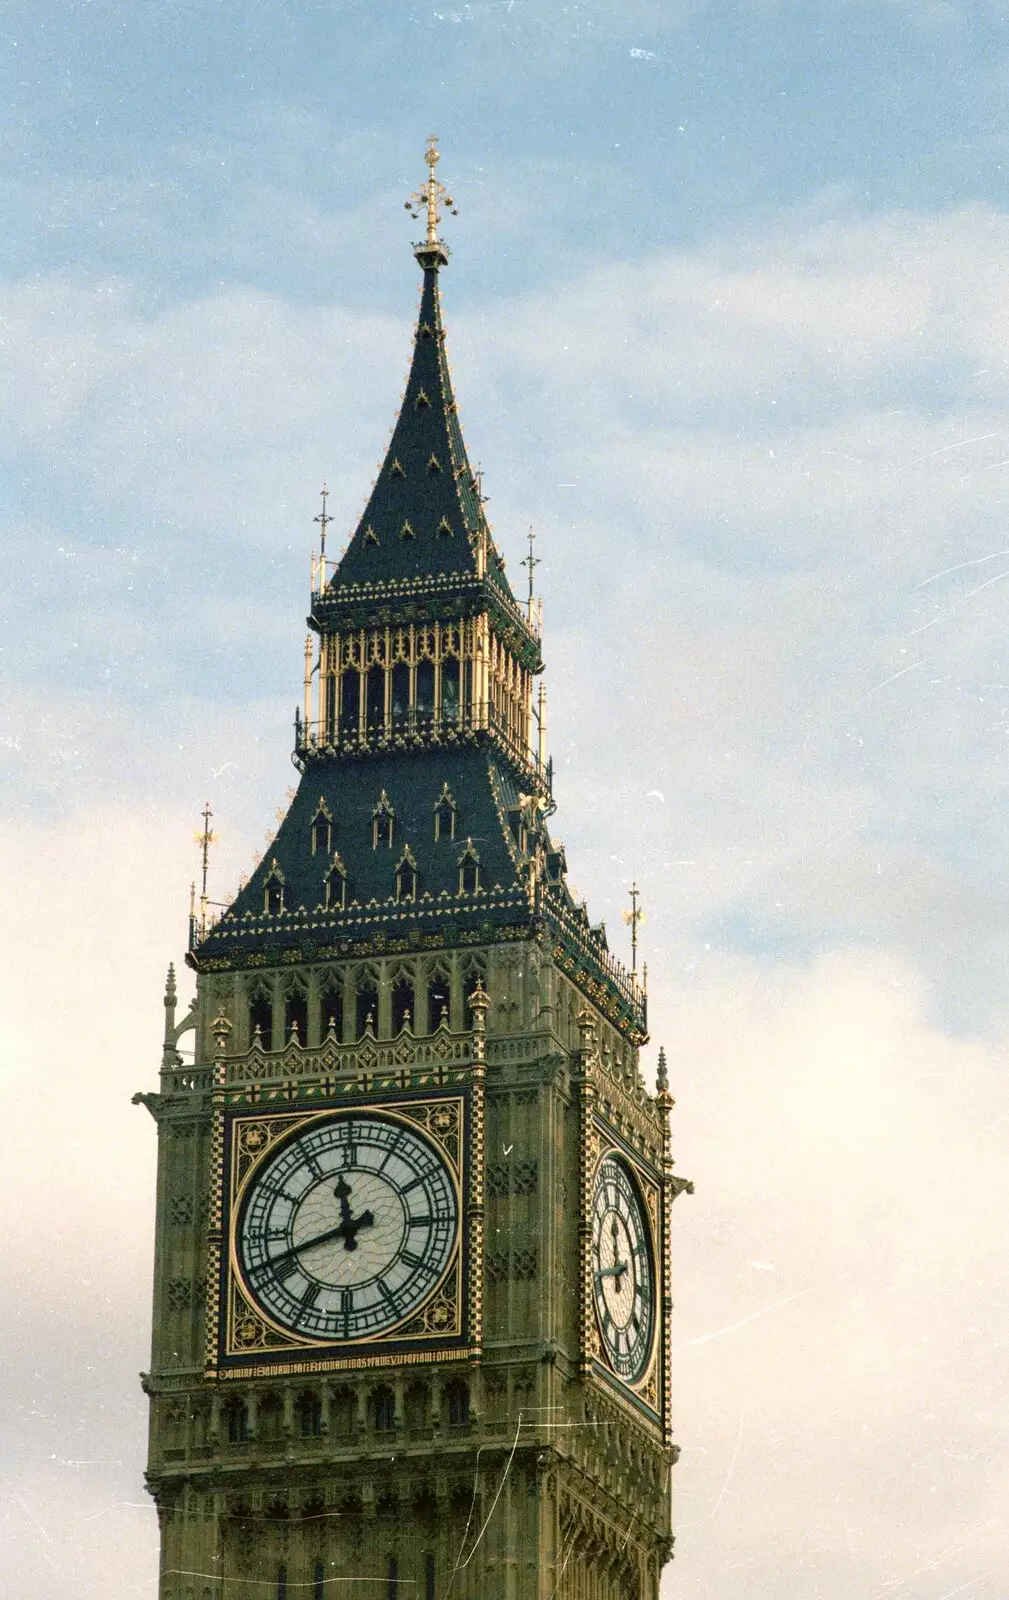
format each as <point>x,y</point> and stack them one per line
<point>622,1274</point>
<point>347,1228</point>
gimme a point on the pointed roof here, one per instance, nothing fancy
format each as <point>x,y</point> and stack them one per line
<point>425,516</point>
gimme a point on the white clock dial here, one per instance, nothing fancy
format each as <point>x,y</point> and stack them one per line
<point>347,1228</point>
<point>623,1278</point>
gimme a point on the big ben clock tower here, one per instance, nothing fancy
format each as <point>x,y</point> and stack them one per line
<point>412,1283</point>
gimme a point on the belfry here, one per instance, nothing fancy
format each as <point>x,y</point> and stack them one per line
<point>412,1272</point>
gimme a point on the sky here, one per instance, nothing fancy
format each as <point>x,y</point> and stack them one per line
<point>728,324</point>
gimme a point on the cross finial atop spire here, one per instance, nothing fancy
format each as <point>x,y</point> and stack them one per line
<point>429,199</point>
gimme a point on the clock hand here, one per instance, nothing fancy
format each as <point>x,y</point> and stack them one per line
<point>306,1244</point>
<point>349,1225</point>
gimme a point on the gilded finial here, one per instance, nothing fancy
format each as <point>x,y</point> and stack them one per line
<point>634,918</point>
<point>429,200</point>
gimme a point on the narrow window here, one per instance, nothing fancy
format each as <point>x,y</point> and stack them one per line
<point>406,877</point>
<point>331,1011</point>
<point>281,1582</point>
<point>376,699</point>
<point>444,815</point>
<point>350,704</point>
<point>322,828</point>
<point>367,1008</point>
<point>336,886</point>
<point>439,1002</point>
<point>310,1416</point>
<point>261,1019</point>
<point>382,821</point>
<point>385,1411</point>
<point>458,1404</point>
<point>296,1017</point>
<point>273,892</point>
<point>402,1005</point>
<point>429,1576</point>
<point>469,870</point>
<point>450,690</point>
<point>238,1422</point>
<point>400,693</point>
<point>393,1578</point>
<point>318,1582</point>
<point>425,688</point>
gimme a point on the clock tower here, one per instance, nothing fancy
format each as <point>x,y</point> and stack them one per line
<point>412,1270</point>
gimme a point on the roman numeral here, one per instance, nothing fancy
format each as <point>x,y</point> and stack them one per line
<point>310,1296</point>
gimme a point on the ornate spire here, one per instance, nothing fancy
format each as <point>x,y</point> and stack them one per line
<point>432,252</point>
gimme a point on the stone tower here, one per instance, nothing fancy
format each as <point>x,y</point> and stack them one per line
<point>412,1283</point>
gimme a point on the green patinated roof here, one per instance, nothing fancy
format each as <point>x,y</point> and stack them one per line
<point>424,514</point>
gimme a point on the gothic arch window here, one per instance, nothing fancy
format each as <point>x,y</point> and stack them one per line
<point>400,694</point>
<point>439,1000</point>
<point>336,885</point>
<point>367,1004</point>
<point>450,690</point>
<point>237,1422</point>
<point>444,814</point>
<point>383,822</point>
<point>350,701</point>
<point>376,699</point>
<point>458,1403</point>
<point>309,1411</point>
<point>403,1007</point>
<point>273,891</point>
<point>331,1009</point>
<point>322,830</point>
<point>383,1410</point>
<point>261,1018</point>
<point>469,869</point>
<point>425,688</point>
<point>406,876</point>
<point>296,1015</point>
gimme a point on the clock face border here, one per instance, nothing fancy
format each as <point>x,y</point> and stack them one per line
<point>647,1394</point>
<point>637,1219</point>
<point>248,1340</point>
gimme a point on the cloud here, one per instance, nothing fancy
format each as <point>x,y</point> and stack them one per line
<point>832,1131</point>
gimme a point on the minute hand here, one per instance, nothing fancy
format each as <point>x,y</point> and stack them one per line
<point>342,1231</point>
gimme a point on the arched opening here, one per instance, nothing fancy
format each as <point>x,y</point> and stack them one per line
<point>383,819</point>
<point>469,870</point>
<point>439,1001</point>
<point>400,694</point>
<point>331,1010</point>
<point>350,702</point>
<point>425,688</point>
<point>336,887</point>
<point>444,816</point>
<point>383,1411</point>
<point>261,1018</point>
<point>342,1413</point>
<point>458,1403</point>
<point>309,1412</point>
<point>403,1008</point>
<point>367,1006</point>
<point>296,1017</point>
<point>450,690</point>
<point>376,699</point>
<point>238,1422</point>
<point>273,893</point>
<point>322,829</point>
<point>406,878</point>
